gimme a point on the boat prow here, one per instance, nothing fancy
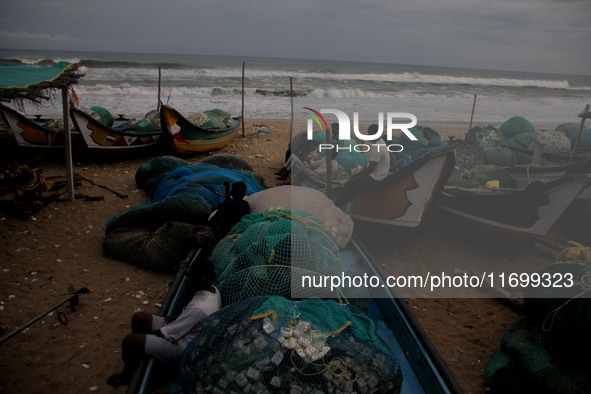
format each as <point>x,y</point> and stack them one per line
<point>187,138</point>
<point>31,133</point>
<point>407,192</point>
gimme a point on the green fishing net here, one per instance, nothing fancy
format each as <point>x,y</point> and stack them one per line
<point>266,252</point>
<point>271,344</point>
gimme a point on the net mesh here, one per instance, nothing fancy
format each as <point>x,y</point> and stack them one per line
<point>270,344</point>
<point>266,252</point>
<point>159,251</point>
<point>204,180</point>
<point>149,175</point>
<point>547,351</point>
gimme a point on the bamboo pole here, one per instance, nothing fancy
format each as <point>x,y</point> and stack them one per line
<point>68,144</point>
<point>328,165</point>
<point>291,98</point>
<point>472,115</point>
<point>159,87</point>
<point>243,99</point>
<point>584,115</point>
<point>73,298</point>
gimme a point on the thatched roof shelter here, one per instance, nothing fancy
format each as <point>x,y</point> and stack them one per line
<point>26,83</point>
<point>20,83</point>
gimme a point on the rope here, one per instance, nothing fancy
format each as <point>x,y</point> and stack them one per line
<point>577,253</point>
<point>574,252</point>
<point>585,287</point>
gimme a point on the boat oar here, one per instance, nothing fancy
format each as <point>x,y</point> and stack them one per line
<point>72,299</point>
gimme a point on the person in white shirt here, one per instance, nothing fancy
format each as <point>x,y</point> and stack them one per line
<point>165,338</point>
<point>370,176</point>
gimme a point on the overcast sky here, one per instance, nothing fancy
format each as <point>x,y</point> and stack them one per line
<point>525,35</point>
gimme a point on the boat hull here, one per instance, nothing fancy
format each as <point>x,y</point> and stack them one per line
<point>531,211</point>
<point>186,138</point>
<point>525,175</point>
<point>422,367</point>
<point>31,134</point>
<point>407,193</point>
<point>100,138</point>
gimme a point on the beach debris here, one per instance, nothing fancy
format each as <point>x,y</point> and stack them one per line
<point>73,299</point>
<point>115,192</point>
<point>85,365</point>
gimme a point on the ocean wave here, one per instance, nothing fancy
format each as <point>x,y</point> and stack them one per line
<point>91,63</point>
<point>38,62</point>
<point>405,77</point>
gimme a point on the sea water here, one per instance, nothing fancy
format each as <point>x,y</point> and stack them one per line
<point>128,83</point>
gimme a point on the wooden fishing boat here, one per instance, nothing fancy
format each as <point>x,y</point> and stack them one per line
<point>34,133</point>
<point>405,194</point>
<point>527,174</point>
<point>118,138</point>
<point>561,158</point>
<point>188,138</point>
<point>423,370</point>
<point>531,211</point>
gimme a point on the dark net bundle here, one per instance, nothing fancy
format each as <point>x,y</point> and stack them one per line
<point>125,243</point>
<point>203,180</point>
<point>185,208</point>
<point>271,344</point>
<point>547,351</point>
<point>158,251</point>
<point>164,250</point>
<point>266,252</point>
<point>149,175</point>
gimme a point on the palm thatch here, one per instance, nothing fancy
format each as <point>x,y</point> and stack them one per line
<point>43,89</point>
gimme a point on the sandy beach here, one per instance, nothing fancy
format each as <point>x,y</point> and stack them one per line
<point>61,245</point>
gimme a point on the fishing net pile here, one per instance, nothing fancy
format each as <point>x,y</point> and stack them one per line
<point>265,253</point>
<point>211,119</point>
<point>271,344</point>
<point>427,141</point>
<point>149,175</point>
<point>553,141</point>
<point>479,176</point>
<point>205,180</point>
<point>348,159</point>
<point>518,132</point>
<point>302,198</point>
<point>547,351</point>
<point>151,235</point>
<point>186,194</point>
<point>149,123</point>
<point>159,251</point>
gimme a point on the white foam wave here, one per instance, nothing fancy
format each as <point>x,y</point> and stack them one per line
<point>406,77</point>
